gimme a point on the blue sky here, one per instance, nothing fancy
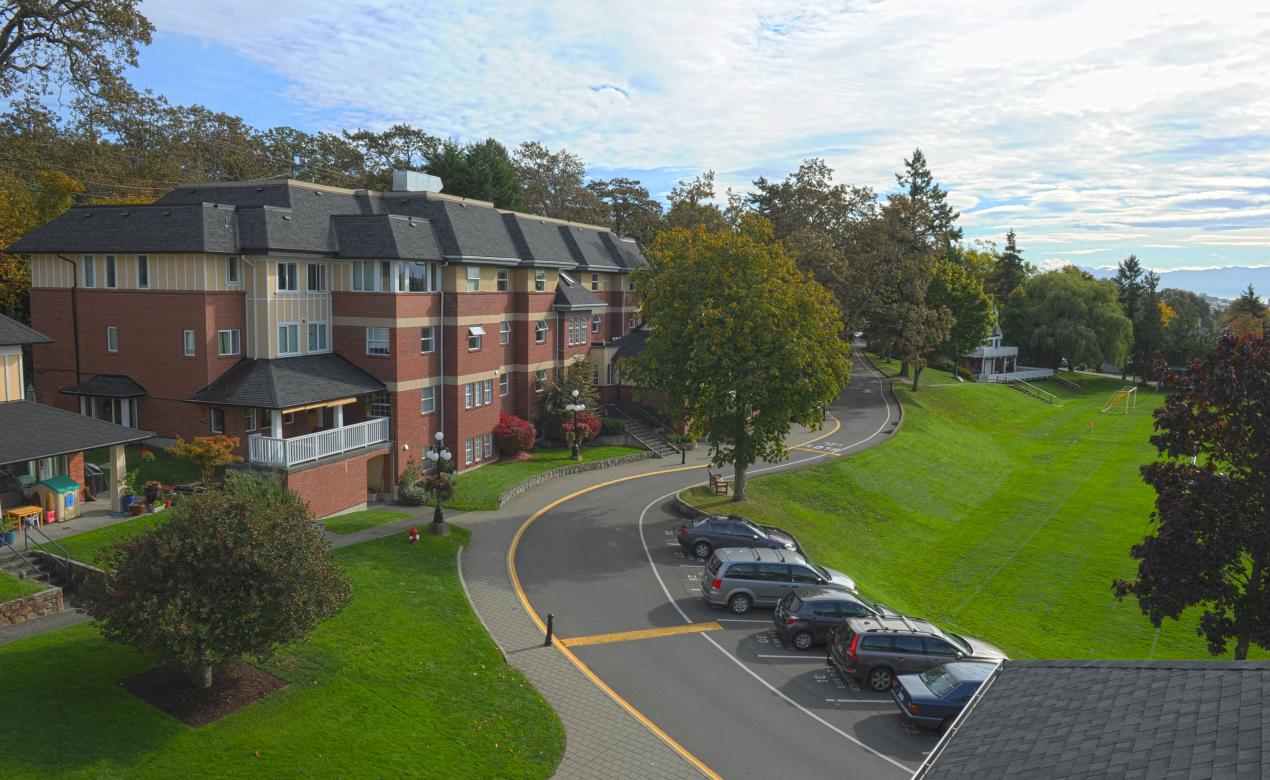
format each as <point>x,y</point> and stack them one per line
<point>1094,129</point>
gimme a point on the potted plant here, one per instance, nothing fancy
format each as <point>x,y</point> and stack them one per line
<point>152,488</point>
<point>132,490</point>
<point>9,524</point>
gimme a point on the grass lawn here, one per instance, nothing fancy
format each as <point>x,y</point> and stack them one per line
<point>994,515</point>
<point>357,521</point>
<point>85,546</point>
<point>13,588</point>
<point>164,467</point>
<point>403,683</point>
<point>480,489</point>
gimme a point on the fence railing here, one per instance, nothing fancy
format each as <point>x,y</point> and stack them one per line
<point>301,449</point>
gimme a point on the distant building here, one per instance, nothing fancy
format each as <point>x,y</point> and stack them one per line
<point>993,362</point>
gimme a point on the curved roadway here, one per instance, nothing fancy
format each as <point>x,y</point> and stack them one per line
<point>606,561</point>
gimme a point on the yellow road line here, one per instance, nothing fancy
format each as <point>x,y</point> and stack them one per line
<point>643,633</point>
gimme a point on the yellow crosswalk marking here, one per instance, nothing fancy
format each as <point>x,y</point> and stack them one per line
<point>646,633</point>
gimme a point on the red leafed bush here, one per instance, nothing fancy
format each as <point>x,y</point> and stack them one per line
<point>513,435</point>
<point>588,428</point>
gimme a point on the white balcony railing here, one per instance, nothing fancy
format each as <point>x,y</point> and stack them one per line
<point>1025,373</point>
<point>268,451</point>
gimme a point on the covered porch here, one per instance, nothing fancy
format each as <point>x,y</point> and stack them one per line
<point>109,397</point>
<point>276,449</point>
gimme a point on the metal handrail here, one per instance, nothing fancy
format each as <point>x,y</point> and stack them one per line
<point>652,429</point>
<point>66,556</point>
<point>17,552</point>
<point>1032,389</point>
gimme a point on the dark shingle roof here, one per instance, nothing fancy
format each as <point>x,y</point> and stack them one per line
<point>631,344</point>
<point>13,332</point>
<point>375,236</point>
<point>575,297</point>
<point>107,386</point>
<point>1083,719</point>
<point>198,227</point>
<point>284,383</point>
<point>34,430</point>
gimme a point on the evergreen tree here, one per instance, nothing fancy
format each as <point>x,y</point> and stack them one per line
<point>1129,289</point>
<point>1010,272</point>
<point>1148,328</point>
<point>632,211</point>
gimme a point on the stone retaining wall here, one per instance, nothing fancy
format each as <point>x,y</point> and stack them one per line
<point>577,468</point>
<point>79,572</point>
<point>46,602</point>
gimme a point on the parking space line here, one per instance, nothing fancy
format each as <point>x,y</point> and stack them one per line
<point>858,701</point>
<point>643,633</point>
<point>787,655</point>
<point>742,620</point>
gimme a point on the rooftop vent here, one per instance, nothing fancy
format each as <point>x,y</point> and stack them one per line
<point>415,181</point>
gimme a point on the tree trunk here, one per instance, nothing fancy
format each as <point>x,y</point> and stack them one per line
<point>201,675</point>
<point>903,369</point>
<point>917,371</point>
<point>1241,646</point>
<point>738,482</point>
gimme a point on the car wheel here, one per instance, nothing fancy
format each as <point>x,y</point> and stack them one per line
<point>803,640</point>
<point>880,678</point>
<point>701,549</point>
<point>740,604</point>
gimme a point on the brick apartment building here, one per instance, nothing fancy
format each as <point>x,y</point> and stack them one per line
<point>333,331</point>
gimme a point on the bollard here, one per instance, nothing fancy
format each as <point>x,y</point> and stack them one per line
<point>550,619</point>
<point>683,454</point>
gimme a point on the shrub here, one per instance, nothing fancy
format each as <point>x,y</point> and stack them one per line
<point>588,428</point>
<point>513,435</point>
<point>611,427</point>
<point>207,452</point>
<point>965,374</point>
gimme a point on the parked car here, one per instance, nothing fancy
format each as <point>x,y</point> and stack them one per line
<point>875,650</point>
<point>703,535</point>
<point>805,617</point>
<point>935,697</point>
<point>745,577</point>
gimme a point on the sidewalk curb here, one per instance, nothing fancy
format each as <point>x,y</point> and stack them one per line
<point>458,559</point>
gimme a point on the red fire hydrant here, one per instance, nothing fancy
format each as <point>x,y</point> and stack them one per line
<point>414,534</point>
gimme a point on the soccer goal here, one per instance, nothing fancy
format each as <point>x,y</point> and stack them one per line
<point>1123,401</point>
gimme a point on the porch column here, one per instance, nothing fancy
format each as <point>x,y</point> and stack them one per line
<point>118,464</point>
<point>339,417</point>
<point>276,427</point>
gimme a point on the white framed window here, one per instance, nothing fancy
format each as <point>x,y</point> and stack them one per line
<point>112,280</point>
<point>631,322</point>
<point>376,341</point>
<point>489,445</point>
<point>427,340</point>
<point>467,453</point>
<point>218,420</point>
<point>143,272</point>
<point>288,418</point>
<point>476,442</point>
<point>595,282</point>
<point>502,284</point>
<point>489,391</point>
<point>319,341</point>
<point>189,343</point>
<point>504,332</point>
<point>289,339</point>
<point>473,278</point>
<point>317,277</point>
<point>231,271</point>
<point>112,338</point>
<point>249,419</point>
<point>427,400</point>
<point>475,337</point>
<point>90,271</point>
<point>229,342</point>
<point>414,276</point>
<point>540,380</point>
<point>612,371</point>
<point>365,275</point>
<point>468,393</point>
<point>287,278</point>
<point>480,393</point>
<point>379,404</point>
<point>595,323</point>
<point>540,332</point>
<point>504,384</point>
<point>540,280</point>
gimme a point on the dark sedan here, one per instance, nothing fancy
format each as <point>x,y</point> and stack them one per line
<point>935,697</point>
<point>704,535</point>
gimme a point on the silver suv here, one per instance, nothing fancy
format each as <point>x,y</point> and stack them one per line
<point>745,577</point>
<point>874,650</point>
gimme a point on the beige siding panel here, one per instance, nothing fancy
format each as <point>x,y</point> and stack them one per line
<point>11,374</point>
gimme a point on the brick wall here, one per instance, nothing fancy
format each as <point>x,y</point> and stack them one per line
<point>332,487</point>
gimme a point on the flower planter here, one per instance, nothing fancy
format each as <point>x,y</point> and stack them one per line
<point>10,537</point>
<point>136,509</point>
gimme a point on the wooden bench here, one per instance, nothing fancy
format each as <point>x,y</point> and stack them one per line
<point>718,485</point>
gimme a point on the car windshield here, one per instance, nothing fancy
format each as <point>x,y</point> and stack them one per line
<point>793,603</point>
<point>939,680</point>
<point>960,642</point>
<point>822,571</point>
<point>873,605</point>
<point>758,529</point>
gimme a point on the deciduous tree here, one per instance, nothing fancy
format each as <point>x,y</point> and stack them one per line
<point>554,184</point>
<point>1067,314</point>
<point>209,453</point>
<point>632,211</point>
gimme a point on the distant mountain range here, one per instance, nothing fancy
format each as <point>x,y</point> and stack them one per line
<point>1226,282</point>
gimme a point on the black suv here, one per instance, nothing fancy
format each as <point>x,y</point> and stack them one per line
<point>704,535</point>
<point>806,617</point>
<point>874,650</point>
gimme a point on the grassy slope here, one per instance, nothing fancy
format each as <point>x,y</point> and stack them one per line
<point>403,683</point>
<point>479,489</point>
<point>995,515</point>
<point>13,588</point>
<point>357,521</point>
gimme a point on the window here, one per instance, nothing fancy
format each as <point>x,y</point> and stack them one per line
<point>111,280</point>
<point>427,340</point>
<point>376,341</point>
<point>143,272</point>
<point>218,420</point>
<point>502,280</point>
<point>366,276</point>
<point>416,277</point>
<point>612,373</point>
<point>908,643</point>
<point>773,572</point>
<point>228,342</point>
<point>540,380</point>
<point>112,338</point>
<point>249,419</point>
<point>743,571</point>
<point>631,285</point>
<point>231,270</point>
<point>317,277</point>
<point>540,280</point>
<point>504,332</point>
<point>427,400</point>
<point>479,391</point>
<point>595,323</point>
<point>266,418</point>
<point>504,384</point>
<point>468,393</point>
<point>317,337</point>
<point>631,322</point>
<point>475,337</point>
<point>473,278</point>
<point>489,445</point>
<point>937,646</point>
<point>288,418</point>
<point>489,391</point>
<point>90,271</point>
<point>467,454</point>
<point>540,332</point>
<point>379,405</point>
<point>287,279</point>
<point>476,446</point>
<point>804,575</point>
<point>595,281</point>
<point>289,339</point>
<point>189,343</point>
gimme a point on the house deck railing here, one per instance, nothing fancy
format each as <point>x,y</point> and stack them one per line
<point>269,451</point>
<point>1023,373</point>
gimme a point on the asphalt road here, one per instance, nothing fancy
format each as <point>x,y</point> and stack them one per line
<point>607,561</point>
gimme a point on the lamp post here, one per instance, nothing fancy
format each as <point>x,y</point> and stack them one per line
<point>576,407</point>
<point>439,455</point>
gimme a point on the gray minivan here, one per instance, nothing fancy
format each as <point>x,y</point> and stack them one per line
<point>744,577</point>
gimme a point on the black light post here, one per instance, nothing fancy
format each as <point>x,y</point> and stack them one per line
<point>439,455</point>
<point>576,407</point>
